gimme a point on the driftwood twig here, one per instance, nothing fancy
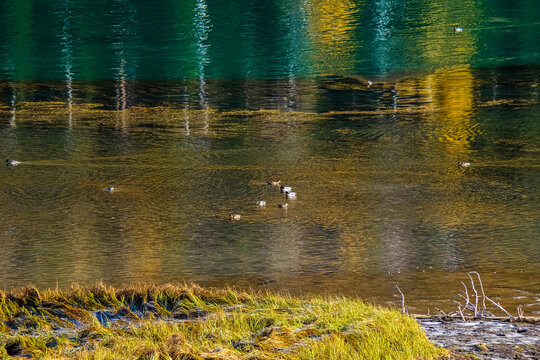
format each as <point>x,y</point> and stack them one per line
<point>402,300</point>
<point>500,307</point>
<point>442,312</point>
<point>475,295</point>
<point>461,313</point>
<point>483,294</point>
<point>464,294</point>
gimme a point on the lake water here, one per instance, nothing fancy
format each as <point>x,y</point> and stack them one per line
<point>189,108</point>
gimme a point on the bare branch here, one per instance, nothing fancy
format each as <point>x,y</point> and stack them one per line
<point>442,312</point>
<point>466,293</point>
<point>483,294</point>
<point>473,308</point>
<point>467,304</point>
<point>500,307</point>
<point>465,289</point>
<point>475,295</point>
<point>461,313</point>
<point>402,300</point>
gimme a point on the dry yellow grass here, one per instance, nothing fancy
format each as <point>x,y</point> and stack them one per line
<point>190,322</point>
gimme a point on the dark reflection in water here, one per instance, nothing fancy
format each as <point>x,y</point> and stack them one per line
<point>381,197</point>
<point>455,86</point>
<point>76,40</point>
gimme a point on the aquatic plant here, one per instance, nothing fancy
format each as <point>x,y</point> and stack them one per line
<point>190,322</point>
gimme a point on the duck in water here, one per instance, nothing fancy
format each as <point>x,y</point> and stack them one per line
<point>234,217</point>
<point>290,195</point>
<point>274,183</point>
<point>12,162</point>
<point>283,206</point>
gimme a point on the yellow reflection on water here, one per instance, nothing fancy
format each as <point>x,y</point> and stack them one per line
<point>332,25</point>
<point>454,100</point>
<point>448,93</point>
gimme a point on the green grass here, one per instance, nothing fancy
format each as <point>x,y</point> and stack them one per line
<point>189,322</point>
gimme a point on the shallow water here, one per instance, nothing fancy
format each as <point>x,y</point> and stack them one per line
<point>381,197</point>
<point>365,108</point>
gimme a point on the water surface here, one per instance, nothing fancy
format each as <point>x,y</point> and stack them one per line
<point>381,197</point>
<point>188,108</point>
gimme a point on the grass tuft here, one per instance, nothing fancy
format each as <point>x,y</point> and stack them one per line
<point>190,322</point>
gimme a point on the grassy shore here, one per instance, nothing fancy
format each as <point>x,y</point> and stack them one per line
<point>189,322</point>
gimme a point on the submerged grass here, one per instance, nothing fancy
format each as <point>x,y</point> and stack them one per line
<point>190,322</point>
